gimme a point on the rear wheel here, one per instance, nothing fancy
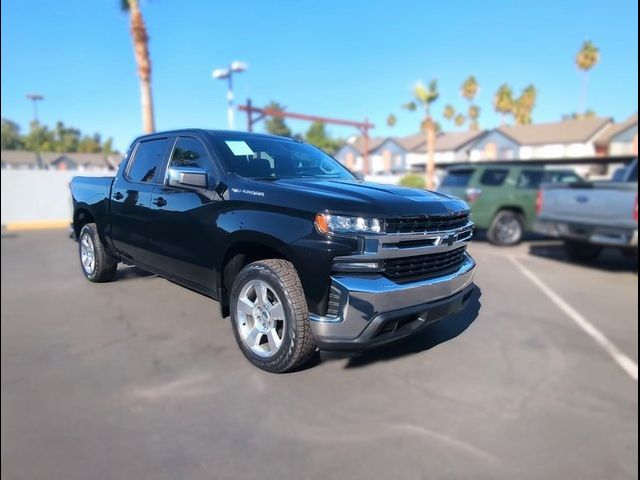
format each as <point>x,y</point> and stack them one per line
<point>97,265</point>
<point>270,317</point>
<point>507,228</point>
<point>581,251</point>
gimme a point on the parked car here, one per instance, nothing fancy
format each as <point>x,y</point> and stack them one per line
<point>502,197</point>
<point>592,215</point>
<point>297,251</point>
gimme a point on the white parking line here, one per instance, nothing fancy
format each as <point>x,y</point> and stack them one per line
<point>626,363</point>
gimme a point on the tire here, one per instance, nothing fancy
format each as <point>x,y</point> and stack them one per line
<point>274,334</point>
<point>103,266</point>
<point>507,228</point>
<point>581,251</point>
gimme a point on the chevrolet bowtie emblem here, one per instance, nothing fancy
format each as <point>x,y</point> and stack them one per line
<point>448,240</point>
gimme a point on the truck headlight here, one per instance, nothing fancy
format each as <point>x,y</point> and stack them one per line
<point>327,223</point>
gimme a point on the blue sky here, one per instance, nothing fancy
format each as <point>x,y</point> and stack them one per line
<point>334,58</point>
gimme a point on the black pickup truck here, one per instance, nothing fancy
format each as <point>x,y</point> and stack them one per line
<point>300,253</point>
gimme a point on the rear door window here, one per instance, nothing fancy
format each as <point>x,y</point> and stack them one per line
<point>457,178</point>
<point>148,160</point>
<point>494,177</point>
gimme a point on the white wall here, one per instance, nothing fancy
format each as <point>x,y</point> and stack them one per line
<point>34,195</point>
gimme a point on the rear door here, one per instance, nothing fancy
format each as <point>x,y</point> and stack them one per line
<point>131,198</point>
<point>184,232</point>
<point>491,193</point>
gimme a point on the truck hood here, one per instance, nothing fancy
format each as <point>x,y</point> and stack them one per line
<point>353,197</point>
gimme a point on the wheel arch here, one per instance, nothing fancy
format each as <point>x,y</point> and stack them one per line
<point>245,248</point>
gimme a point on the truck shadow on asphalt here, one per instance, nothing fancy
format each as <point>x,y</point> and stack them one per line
<point>610,260</point>
<point>132,272</point>
<point>431,336</point>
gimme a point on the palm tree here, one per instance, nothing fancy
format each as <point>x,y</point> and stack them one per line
<point>473,113</point>
<point>459,120</point>
<point>525,104</point>
<point>469,88</point>
<point>503,101</point>
<point>391,120</point>
<point>587,57</point>
<point>425,96</point>
<point>449,112</point>
<point>141,51</point>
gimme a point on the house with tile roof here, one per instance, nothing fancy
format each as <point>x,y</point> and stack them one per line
<point>619,139</point>
<point>393,155</point>
<point>449,147</point>
<point>25,160</point>
<point>554,140</point>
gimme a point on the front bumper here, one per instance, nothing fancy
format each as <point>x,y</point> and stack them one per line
<point>375,310</point>
<point>596,234</point>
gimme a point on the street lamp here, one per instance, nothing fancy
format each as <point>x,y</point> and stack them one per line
<point>35,98</point>
<point>227,73</point>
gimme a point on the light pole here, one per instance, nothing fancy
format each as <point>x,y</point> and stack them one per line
<point>227,73</point>
<point>35,98</point>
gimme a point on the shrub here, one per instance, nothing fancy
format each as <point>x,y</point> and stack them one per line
<point>413,180</point>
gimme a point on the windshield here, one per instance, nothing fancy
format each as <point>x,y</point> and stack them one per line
<point>273,158</point>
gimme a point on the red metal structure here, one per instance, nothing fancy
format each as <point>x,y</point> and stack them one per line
<point>363,127</point>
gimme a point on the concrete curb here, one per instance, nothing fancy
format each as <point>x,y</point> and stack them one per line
<point>36,225</point>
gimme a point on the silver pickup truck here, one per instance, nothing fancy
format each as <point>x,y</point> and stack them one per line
<point>591,215</point>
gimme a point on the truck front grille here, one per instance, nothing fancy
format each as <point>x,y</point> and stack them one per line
<point>426,223</point>
<point>424,266</point>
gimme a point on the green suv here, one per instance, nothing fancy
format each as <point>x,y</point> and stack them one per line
<point>502,197</point>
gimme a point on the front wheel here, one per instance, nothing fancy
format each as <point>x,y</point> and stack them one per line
<point>581,251</point>
<point>507,228</point>
<point>270,317</point>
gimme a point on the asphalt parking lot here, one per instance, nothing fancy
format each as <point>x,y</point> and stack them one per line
<point>141,378</point>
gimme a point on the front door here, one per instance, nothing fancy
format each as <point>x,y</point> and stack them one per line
<point>184,220</point>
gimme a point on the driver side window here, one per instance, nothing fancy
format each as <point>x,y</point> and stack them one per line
<point>190,152</point>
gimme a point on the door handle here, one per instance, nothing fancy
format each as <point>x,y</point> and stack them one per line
<point>118,196</point>
<point>160,202</point>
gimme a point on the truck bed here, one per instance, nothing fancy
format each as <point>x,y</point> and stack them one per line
<point>592,203</point>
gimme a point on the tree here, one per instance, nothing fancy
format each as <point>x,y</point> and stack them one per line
<point>276,125</point>
<point>587,57</point>
<point>449,112</point>
<point>503,101</point>
<point>425,96</point>
<point>459,120</point>
<point>391,120</point>
<point>11,138</point>
<point>60,139</point>
<point>469,90</point>
<point>524,105</point>
<point>40,138</point>
<point>318,136</point>
<point>143,61</point>
<point>473,113</point>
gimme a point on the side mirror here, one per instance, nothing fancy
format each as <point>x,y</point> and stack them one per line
<point>187,177</point>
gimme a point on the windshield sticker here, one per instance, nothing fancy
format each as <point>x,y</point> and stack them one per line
<point>239,147</point>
